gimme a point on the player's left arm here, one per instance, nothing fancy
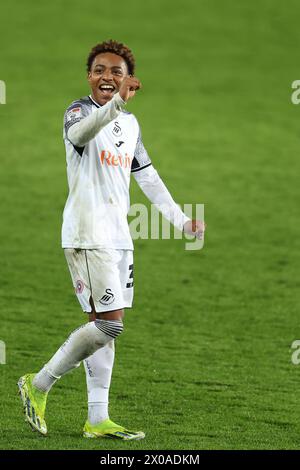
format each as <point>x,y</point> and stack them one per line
<point>153,187</point>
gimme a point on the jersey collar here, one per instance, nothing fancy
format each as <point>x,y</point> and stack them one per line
<point>94,102</point>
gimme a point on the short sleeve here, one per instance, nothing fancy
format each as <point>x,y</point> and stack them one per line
<point>141,158</point>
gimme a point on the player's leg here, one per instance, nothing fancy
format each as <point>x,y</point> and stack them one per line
<point>82,343</point>
<point>98,369</point>
<point>99,366</point>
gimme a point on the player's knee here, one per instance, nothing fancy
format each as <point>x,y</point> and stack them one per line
<point>112,328</point>
<point>113,315</point>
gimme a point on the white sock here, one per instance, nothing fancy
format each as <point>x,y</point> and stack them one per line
<point>43,380</point>
<point>98,369</point>
<point>82,343</point>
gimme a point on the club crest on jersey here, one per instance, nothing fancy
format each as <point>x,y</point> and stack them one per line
<point>107,298</point>
<point>117,131</point>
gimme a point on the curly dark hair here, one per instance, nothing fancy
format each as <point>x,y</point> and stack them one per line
<point>116,48</point>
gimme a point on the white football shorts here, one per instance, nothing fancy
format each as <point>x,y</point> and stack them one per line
<point>105,275</point>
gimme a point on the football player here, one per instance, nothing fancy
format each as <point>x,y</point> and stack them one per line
<point>103,148</point>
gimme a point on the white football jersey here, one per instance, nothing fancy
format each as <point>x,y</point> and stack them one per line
<point>95,214</point>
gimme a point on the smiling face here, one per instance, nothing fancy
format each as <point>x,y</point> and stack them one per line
<point>106,75</point>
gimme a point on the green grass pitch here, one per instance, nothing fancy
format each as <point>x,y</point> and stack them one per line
<point>205,358</point>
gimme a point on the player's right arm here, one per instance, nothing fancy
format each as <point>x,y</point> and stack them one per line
<point>84,129</point>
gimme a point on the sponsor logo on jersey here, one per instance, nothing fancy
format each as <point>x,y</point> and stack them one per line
<point>119,143</point>
<point>108,158</point>
<point>79,286</point>
<point>117,131</point>
<point>107,298</point>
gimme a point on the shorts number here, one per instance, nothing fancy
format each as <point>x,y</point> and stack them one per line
<point>130,278</point>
